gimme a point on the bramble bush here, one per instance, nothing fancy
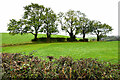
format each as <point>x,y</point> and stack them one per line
<point>18,66</point>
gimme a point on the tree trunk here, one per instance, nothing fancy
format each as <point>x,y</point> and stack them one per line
<point>83,35</point>
<point>35,36</point>
<point>98,38</point>
<point>48,37</point>
<point>72,37</point>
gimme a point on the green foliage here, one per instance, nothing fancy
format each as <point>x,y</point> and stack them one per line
<point>100,29</point>
<point>50,25</point>
<point>14,27</point>
<point>44,39</point>
<point>38,18</point>
<point>31,22</point>
<point>69,22</point>
<point>27,66</point>
<point>35,16</point>
<point>84,26</point>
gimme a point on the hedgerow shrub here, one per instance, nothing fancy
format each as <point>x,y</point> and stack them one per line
<point>83,40</point>
<point>71,40</point>
<point>18,66</point>
<point>44,39</point>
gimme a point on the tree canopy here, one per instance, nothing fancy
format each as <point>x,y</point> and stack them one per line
<point>38,18</point>
<point>100,29</point>
<point>69,22</point>
<point>50,25</point>
<point>84,26</point>
<point>35,17</point>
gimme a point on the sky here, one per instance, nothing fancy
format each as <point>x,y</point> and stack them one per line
<point>105,11</point>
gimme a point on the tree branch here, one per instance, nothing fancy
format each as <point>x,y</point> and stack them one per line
<point>31,33</point>
<point>68,31</point>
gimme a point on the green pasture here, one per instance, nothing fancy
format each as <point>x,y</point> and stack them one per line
<point>106,51</point>
<point>18,38</point>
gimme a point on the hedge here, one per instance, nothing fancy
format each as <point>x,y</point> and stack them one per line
<point>18,66</point>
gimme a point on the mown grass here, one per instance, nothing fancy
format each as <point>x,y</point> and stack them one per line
<point>106,51</point>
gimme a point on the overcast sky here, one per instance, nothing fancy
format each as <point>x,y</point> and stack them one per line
<point>105,11</point>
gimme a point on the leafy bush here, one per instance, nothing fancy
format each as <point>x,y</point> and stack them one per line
<point>51,39</point>
<point>83,40</point>
<point>71,40</point>
<point>30,67</point>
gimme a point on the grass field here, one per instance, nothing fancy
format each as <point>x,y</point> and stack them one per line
<point>107,51</point>
<point>17,39</point>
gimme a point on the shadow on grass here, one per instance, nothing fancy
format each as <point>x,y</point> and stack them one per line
<point>27,43</point>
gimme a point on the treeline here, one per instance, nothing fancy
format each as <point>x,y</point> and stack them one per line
<point>38,18</point>
<point>112,38</point>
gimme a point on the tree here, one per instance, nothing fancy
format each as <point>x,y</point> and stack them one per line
<point>101,29</point>
<point>68,22</point>
<point>14,27</point>
<point>50,25</point>
<point>31,22</point>
<point>84,26</point>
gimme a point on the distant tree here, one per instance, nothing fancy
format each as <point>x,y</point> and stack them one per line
<point>49,25</point>
<point>84,26</point>
<point>68,22</point>
<point>31,22</point>
<point>14,27</point>
<point>100,29</point>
